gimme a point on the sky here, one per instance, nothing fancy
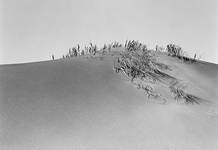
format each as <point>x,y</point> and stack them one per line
<point>33,30</point>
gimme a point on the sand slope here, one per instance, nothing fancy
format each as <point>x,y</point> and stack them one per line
<point>83,104</point>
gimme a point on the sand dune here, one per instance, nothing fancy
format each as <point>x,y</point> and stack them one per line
<point>81,103</point>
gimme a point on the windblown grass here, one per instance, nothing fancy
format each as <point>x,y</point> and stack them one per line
<point>139,63</point>
<point>176,51</point>
<point>75,51</point>
<point>180,94</point>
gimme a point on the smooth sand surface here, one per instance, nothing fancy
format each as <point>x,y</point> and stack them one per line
<point>82,104</point>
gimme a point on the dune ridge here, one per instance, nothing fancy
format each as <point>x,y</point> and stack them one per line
<point>83,103</point>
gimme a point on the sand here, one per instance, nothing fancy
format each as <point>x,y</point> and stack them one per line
<point>82,104</point>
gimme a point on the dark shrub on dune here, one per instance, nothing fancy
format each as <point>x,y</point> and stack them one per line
<point>176,51</point>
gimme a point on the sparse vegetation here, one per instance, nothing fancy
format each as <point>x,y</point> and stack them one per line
<point>180,94</point>
<point>115,44</point>
<point>133,45</point>
<point>130,46</point>
<point>176,51</point>
<point>140,65</point>
<point>78,51</point>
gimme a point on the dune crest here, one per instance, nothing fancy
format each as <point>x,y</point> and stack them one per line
<point>106,101</point>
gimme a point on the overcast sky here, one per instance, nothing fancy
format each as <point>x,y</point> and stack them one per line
<point>33,30</point>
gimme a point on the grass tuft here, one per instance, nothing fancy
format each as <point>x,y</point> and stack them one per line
<point>176,51</point>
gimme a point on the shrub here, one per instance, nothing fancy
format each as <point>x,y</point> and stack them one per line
<point>137,62</point>
<point>174,50</point>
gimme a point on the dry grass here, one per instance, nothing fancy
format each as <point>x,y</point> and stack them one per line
<point>179,94</point>
<point>75,51</point>
<point>139,63</point>
<point>176,51</point>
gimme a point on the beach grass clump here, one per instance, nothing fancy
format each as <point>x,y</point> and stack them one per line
<point>133,45</point>
<point>75,51</point>
<point>92,49</point>
<point>107,47</point>
<point>116,44</point>
<point>179,94</point>
<point>176,51</point>
<point>135,64</point>
<point>138,63</point>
